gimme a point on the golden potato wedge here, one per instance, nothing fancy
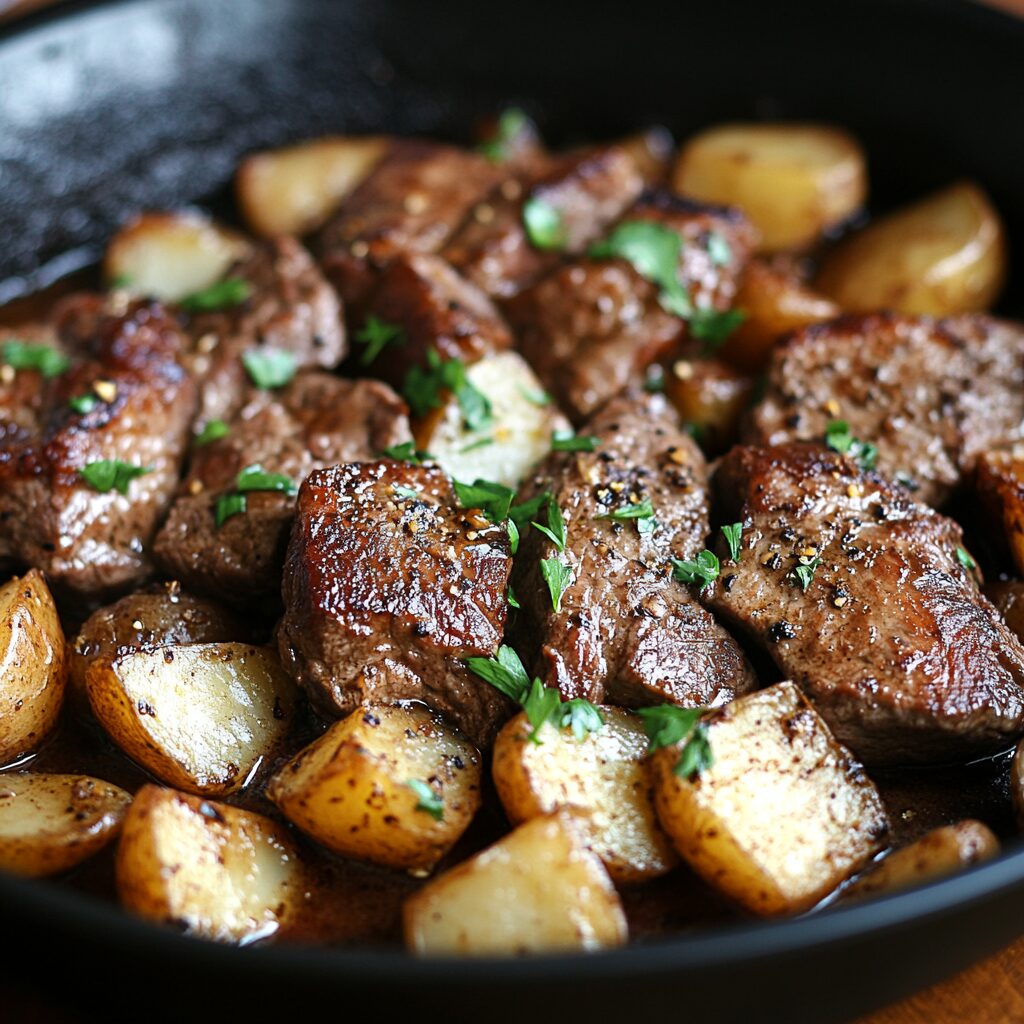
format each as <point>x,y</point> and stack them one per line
<point>784,814</point>
<point>514,439</point>
<point>393,785</point>
<point>213,870</point>
<point>941,852</point>
<point>710,397</point>
<point>198,716</point>
<point>538,890</point>
<point>774,303</point>
<point>33,665</point>
<point>604,774</point>
<point>794,181</point>
<point>1000,486</point>
<point>170,255</point>
<point>292,191</point>
<point>943,255</point>
<point>51,823</point>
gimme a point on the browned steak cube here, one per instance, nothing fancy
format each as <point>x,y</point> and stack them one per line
<point>120,415</point>
<point>388,587</point>
<point>30,357</point>
<point>625,631</point>
<point>931,395</point>
<point>316,421</point>
<point>870,603</point>
<point>588,190</point>
<point>592,327</point>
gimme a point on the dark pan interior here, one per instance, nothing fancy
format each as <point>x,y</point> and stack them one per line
<point>109,108</point>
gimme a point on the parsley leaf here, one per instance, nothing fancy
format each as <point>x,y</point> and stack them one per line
<point>543,223</point>
<point>511,122</point>
<point>228,505</point>
<point>582,717</point>
<point>213,430</point>
<point>558,576</point>
<point>719,250</point>
<point>504,672</point>
<point>839,439</point>
<point>964,558</point>
<point>269,367</point>
<point>376,335</point>
<point>83,404</point>
<point>111,475</point>
<point>405,492</point>
<point>27,355</point>
<point>696,756</point>
<point>714,327</point>
<point>494,500</point>
<point>541,703</point>
<point>522,513</point>
<point>567,441</point>
<point>428,800</point>
<point>667,725</point>
<point>255,478</point>
<point>804,573</point>
<point>704,568</point>
<point>538,398</point>
<point>513,536</point>
<point>423,387</point>
<point>473,446</point>
<point>513,601</point>
<point>733,535</point>
<point>642,510</point>
<point>555,530</point>
<point>232,291</point>
<point>407,452</point>
<point>654,379</point>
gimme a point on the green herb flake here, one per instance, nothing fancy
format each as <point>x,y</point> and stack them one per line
<point>964,558</point>
<point>719,250</point>
<point>641,510</point>
<point>804,573</point>
<point>534,397</point>
<point>733,536</point>
<point>232,291</point>
<point>83,404</point>
<point>513,536</point>
<point>543,223</point>
<point>255,478</point>
<point>667,724</point>
<point>541,704</point>
<point>513,601</point>
<point>213,431</point>
<point>713,327</point>
<point>269,367</point>
<point>555,529</point>
<point>696,756</point>
<point>522,513</point>
<point>557,575</point>
<point>27,355</point>
<point>703,569</point>
<point>407,452</point>
<point>424,386</point>
<point>567,441</point>
<point>375,335</point>
<point>229,505</point>
<point>510,124</point>
<point>406,492</point>
<point>111,475</point>
<point>427,800</point>
<point>504,672</point>
<point>839,439</point>
<point>483,442</point>
<point>582,717</point>
<point>493,499</point>
<point>654,379</point>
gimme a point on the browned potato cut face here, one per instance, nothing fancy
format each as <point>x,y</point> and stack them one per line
<point>944,255</point>
<point>1000,484</point>
<point>33,665</point>
<point>294,190</point>
<point>941,852</point>
<point>393,785</point>
<point>783,815</point>
<point>710,396</point>
<point>218,872</point>
<point>794,181</point>
<point>198,716</point>
<point>51,823</point>
<point>538,890</point>
<point>169,256</point>
<point>603,775</point>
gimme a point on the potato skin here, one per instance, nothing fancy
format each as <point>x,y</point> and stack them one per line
<point>783,816</point>
<point>34,660</point>
<point>999,482</point>
<point>350,789</point>
<point>51,823</point>
<point>604,775</point>
<point>537,890</point>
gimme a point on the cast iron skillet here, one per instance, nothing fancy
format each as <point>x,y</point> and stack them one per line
<point>106,108</point>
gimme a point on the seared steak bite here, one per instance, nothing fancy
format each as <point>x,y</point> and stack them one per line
<point>932,395</point>
<point>290,308</point>
<point>592,327</point>
<point>587,190</point>
<point>31,355</point>
<point>388,586</point>
<point>869,602</point>
<point>626,632</point>
<point>81,497</point>
<point>315,421</point>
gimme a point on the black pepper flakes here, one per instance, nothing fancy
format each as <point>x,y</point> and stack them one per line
<point>781,630</point>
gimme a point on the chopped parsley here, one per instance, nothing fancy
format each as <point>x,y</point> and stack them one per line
<point>375,336</point>
<point>407,452</point>
<point>964,558</point>
<point>513,601</point>
<point>642,510</point>
<point>424,385</point>
<point>111,475</point>
<point>213,431</point>
<point>667,725</point>
<point>27,355</point>
<point>543,223</point>
<point>733,536</point>
<point>804,572</point>
<point>555,530</point>
<point>839,439</point>
<point>83,404</point>
<point>719,250</point>
<point>513,536</point>
<point>232,291</point>
<point>567,441</point>
<point>511,123</point>
<point>251,478</point>
<point>541,705</point>
<point>228,505</point>
<point>534,397</point>
<point>405,492</point>
<point>504,672</point>
<point>703,569</point>
<point>557,575</point>
<point>522,513</point>
<point>714,327</point>
<point>494,500</point>
<point>473,446</point>
<point>654,379</point>
<point>582,717</point>
<point>427,800</point>
<point>269,367</point>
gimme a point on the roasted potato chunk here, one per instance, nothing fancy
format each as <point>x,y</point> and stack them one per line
<point>1000,485</point>
<point>943,255</point>
<point>603,774</point>
<point>783,815</point>
<point>198,716</point>
<point>216,871</point>
<point>511,440</point>
<point>710,397</point>
<point>538,890</point>
<point>392,785</point>
<point>941,852</point>
<point>169,256</point>
<point>294,190</point>
<point>34,664</point>
<point>794,181</point>
<point>51,823</point>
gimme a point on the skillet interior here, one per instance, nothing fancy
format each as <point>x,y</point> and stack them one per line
<point>149,103</point>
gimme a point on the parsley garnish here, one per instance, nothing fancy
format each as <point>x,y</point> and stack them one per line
<point>719,249</point>
<point>376,335</point>
<point>642,510</point>
<point>704,568</point>
<point>27,355</point>
<point>964,558</point>
<point>567,441</point>
<point>213,430</point>
<point>733,535</point>
<point>541,704</point>
<point>269,367</point>
<point>555,530</point>
<point>513,536</point>
<point>83,404</point>
<point>714,327</point>
<point>697,756</point>
<point>582,717</point>
<point>804,573</point>
<point>232,291</point>
<point>543,223</point>
<point>423,387</point>
<point>538,398</point>
<point>407,452</point>
<point>504,672</point>
<point>839,439</point>
<point>558,576</point>
<point>252,478</point>
<point>667,725</point>
<point>405,492</point>
<point>522,513</point>
<point>654,379</point>
<point>111,475</point>
<point>473,446</point>
<point>511,122</point>
<point>494,500</point>
<point>228,505</point>
<point>428,800</point>
<point>513,601</point>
